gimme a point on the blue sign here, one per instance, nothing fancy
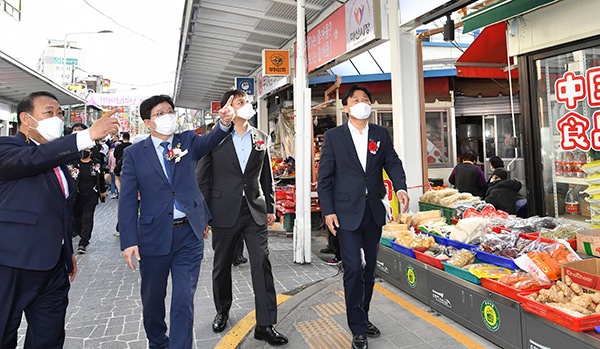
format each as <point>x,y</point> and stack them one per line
<point>246,85</point>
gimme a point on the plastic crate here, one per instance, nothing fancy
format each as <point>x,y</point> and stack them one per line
<point>386,242</point>
<point>461,273</point>
<point>403,249</point>
<point>447,212</point>
<point>495,259</point>
<point>505,290</point>
<point>574,323</point>
<point>427,259</point>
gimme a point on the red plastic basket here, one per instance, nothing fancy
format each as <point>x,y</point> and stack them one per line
<point>574,323</point>
<point>506,290</point>
<point>427,259</point>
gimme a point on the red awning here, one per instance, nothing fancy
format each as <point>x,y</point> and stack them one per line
<point>486,56</point>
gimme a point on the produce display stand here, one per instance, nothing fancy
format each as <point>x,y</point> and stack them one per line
<point>493,316</point>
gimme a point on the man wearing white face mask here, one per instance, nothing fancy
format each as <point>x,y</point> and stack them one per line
<point>240,195</point>
<point>36,220</point>
<point>165,232</point>
<point>350,188</point>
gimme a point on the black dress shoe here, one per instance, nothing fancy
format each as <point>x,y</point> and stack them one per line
<point>220,322</point>
<point>360,342</point>
<point>327,250</point>
<point>239,260</point>
<point>269,334</point>
<point>372,330</point>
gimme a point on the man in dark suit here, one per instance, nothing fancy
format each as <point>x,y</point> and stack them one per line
<point>350,189</point>
<point>237,182</point>
<point>36,220</point>
<point>165,233</point>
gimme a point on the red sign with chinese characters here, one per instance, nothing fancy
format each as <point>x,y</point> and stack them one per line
<point>573,127</point>
<point>327,40</point>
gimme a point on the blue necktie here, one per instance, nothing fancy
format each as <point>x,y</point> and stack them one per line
<point>165,146</point>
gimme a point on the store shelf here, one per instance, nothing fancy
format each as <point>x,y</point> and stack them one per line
<point>571,180</point>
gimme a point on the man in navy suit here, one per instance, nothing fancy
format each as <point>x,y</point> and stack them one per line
<point>36,220</point>
<point>351,190</point>
<point>165,233</point>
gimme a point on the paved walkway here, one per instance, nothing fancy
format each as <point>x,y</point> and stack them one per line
<point>105,307</point>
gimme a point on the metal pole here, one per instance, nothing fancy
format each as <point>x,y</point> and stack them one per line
<point>64,62</point>
<point>302,226</point>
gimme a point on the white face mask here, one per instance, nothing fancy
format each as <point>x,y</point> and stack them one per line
<point>246,112</point>
<point>360,110</point>
<point>166,125</point>
<point>50,128</point>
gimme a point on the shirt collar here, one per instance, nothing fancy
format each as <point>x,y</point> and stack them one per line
<point>353,129</point>
<point>157,141</point>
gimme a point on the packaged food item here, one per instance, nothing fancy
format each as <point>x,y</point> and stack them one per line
<point>462,258</point>
<point>486,270</point>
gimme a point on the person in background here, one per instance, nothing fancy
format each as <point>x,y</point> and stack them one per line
<point>119,150</point>
<point>239,253</point>
<point>495,162</point>
<point>165,231</point>
<point>503,192</point>
<point>350,187</point>
<point>468,177</point>
<point>36,223</point>
<point>241,197</point>
<point>89,181</point>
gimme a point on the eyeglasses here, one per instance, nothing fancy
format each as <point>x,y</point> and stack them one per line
<point>160,113</point>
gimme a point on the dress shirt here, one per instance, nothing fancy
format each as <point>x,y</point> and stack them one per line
<point>159,152</point>
<point>243,146</point>
<point>360,141</point>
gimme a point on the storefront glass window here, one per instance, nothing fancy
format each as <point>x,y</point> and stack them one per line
<point>565,182</point>
<point>437,133</point>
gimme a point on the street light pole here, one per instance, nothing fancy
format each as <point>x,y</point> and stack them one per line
<point>66,46</point>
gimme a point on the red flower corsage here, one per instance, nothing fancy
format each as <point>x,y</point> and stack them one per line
<point>260,145</point>
<point>373,146</point>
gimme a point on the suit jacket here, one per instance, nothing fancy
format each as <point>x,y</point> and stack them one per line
<point>152,228</point>
<point>343,183</point>
<point>222,181</point>
<point>36,220</point>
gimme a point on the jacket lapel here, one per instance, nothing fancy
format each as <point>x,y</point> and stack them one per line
<point>373,137</point>
<point>153,160</point>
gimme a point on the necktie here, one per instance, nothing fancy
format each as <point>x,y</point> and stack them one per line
<point>62,186</point>
<point>165,146</point>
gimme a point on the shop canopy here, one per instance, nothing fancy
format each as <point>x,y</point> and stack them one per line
<point>486,57</point>
<point>500,11</point>
<point>18,81</point>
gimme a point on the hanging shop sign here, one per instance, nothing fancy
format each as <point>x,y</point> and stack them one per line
<point>246,85</point>
<point>267,84</point>
<point>276,62</point>
<point>215,107</point>
<point>574,128</point>
<point>350,27</point>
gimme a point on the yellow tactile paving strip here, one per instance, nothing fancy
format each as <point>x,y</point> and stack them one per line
<point>326,333</point>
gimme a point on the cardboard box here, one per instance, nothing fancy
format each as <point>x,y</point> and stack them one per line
<point>588,241</point>
<point>585,273</point>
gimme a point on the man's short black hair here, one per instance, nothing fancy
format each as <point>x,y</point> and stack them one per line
<point>496,162</point>
<point>79,124</point>
<point>469,155</point>
<point>125,136</point>
<point>233,92</point>
<point>26,104</point>
<point>151,102</point>
<point>350,92</point>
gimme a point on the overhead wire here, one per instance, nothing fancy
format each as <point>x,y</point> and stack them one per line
<point>117,23</point>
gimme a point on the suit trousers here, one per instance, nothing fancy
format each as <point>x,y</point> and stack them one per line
<point>224,243</point>
<point>183,262</point>
<point>359,281</point>
<point>43,296</point>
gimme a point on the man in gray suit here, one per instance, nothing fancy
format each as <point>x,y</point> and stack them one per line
<point>237,182</point>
